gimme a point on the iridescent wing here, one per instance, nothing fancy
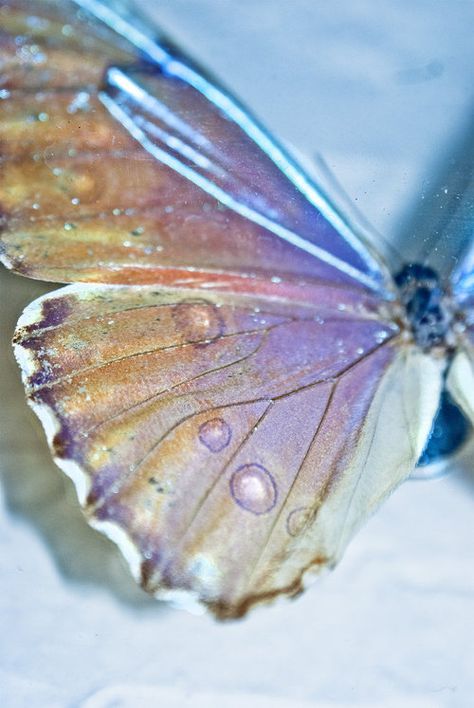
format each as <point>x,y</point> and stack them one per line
<point>235,406</point>
<point>229,443</point>
<point>464,278</point>
<point>120,162</point>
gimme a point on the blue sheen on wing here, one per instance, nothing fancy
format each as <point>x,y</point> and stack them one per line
<point>464,276</point>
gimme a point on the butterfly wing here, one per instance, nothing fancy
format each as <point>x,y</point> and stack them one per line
<point>463,281</point>
<point>122,163</point>
<point>229,443</point>
<point>460,379</point>
<point>231,425</point>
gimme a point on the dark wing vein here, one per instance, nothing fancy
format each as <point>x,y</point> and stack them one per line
<point>184,382</point>
<point>278,516</point>
<point>123,479</point>
<point>356,485</point>
<point>211,488</point>
<point>78,372</point>
<point>237,361</point>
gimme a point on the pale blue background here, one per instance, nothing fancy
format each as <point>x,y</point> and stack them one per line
<point>381,89</point>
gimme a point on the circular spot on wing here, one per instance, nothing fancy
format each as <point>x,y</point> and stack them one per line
<point>87,186</point>
<point>198,321</point>
<point>298,520</point>
<point>215,434</point>
<point>253,488</point>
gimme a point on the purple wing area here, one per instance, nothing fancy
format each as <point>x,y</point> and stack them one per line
<point>190,124</point>
<point>192,424</point>
<point>120,162</point>
<point>185,122</point>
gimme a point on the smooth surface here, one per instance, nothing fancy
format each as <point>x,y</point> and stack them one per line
<point>393,624</point>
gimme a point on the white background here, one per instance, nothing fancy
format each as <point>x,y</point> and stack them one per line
<point>381,89</point>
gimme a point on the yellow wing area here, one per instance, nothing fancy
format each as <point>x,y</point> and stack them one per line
<point>460,380</point>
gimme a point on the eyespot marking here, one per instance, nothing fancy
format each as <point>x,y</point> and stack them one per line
<point>215,434</point>
<point>253,488</point>
<point>198,321</point>
<point>299,519</point>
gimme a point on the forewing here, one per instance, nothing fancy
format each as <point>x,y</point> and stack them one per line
<point>228,443</point>
<point>464,277</point>
<point>121,163</point>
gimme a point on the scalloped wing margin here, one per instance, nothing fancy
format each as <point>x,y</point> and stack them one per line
<point>227,463</point>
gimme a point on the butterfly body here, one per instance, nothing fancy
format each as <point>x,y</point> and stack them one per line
<point>437,325</point>
<point>234,380</point>
<point>430,310</point>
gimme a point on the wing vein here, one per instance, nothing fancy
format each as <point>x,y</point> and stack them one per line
<point>288,494</point>
<point>154,350</point>
<point>119,485</point>
<point>212,486</point>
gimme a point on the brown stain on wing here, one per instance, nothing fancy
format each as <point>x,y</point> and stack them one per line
<point>224,611</point>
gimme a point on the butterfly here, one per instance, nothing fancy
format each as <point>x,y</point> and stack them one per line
<point>233,379</point>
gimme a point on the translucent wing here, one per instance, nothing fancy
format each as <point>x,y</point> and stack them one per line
<point>122,163</point>
<point>461,219</point>
<point>464,280</point>
<point>229,443</point>
<point>439,232</point>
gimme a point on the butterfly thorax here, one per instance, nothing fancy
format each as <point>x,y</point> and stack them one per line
<point>428,307</point>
